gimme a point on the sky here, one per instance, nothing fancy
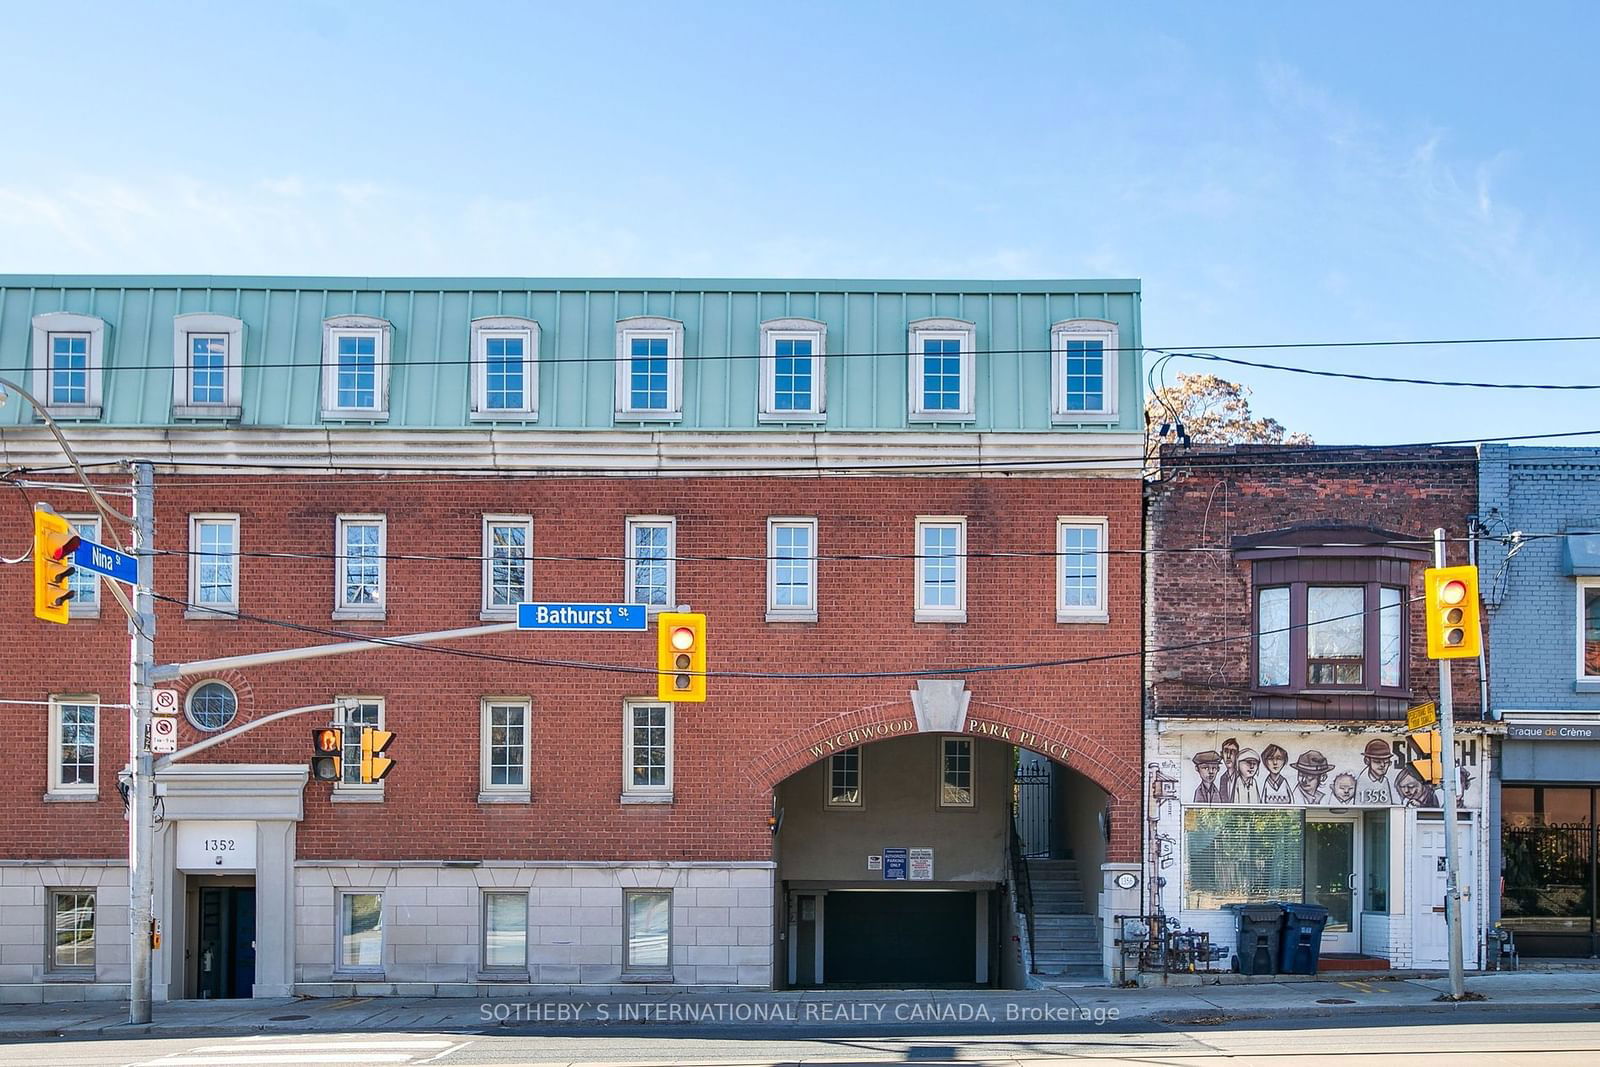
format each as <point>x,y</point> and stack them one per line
<point>1273,173</point>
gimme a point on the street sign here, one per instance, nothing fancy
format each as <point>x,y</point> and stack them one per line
<point>166,701</point>
<point>107,561</point>
<point>582,617</point>
<point>1422,716</point>
<point>921,864</point>
<point>894,865</point>
<point>163,734</point>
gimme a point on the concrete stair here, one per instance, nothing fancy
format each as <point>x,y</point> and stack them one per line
<point>1066,936</point>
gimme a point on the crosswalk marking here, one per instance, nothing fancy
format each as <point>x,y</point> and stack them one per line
<point>268,1049</point>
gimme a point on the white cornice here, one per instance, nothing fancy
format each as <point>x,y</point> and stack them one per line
<point>673,452</point>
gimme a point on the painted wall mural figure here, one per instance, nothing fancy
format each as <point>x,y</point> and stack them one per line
<point>1344,787</point>
<point>1314,769</point>
<point>1375,789</point>
<point>1230,758</point>
<point>1414,791</point>
<point>1276,787</point>
<point>1208,763</point>
<point>1246,787</point>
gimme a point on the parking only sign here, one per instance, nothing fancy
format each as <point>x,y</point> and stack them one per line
<point>894,864</point>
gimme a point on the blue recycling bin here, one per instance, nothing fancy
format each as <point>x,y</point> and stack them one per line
<point>1260,928</point>
<point>1302,938</point>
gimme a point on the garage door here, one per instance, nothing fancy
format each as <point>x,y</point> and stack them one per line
<point>899,938</point>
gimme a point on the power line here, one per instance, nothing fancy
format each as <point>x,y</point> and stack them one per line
<point>1377,377</point>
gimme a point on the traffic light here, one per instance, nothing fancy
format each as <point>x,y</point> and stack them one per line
<point>374,764</point>
<point>327,748</point>
<point>681,656</point>
<point>54,541</point>
<point>1451,601</point>
<point>1426,756</point>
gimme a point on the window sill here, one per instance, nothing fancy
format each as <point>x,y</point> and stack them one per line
<point>939,616</point>
<point>502,976</point>
<point>644,977</point>
<point>812,417</point>
<point>942,416</point>
<point>1586,685</point>
<point>67,977</point>
<point>1073,418</point>
<point>503,416</point>
<point>505,798</point>
<point>498,615</point>
<point>206,411</point>
<point>73,411</point>
<point>646,798</point>
<point>358,976</point>
<point>71,798</point>
<point>1066,617</point>
<point>218,614</point>
<point>360,614</point>
<point>78,611</point>
<point>349,795</point>
<point>647,416</point>
<point>791,616</point>
<point>353,415</point>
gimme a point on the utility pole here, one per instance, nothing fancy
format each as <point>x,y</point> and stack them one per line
<point>1447,742</point>
<point>141,800</point>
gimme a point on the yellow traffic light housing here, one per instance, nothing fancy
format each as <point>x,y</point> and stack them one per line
<point>374,764</point>
<point>1450,597</point>
<point>54,541</point>
<point>1427,756</point>
<point>327,750</point>
<point>681,656</point>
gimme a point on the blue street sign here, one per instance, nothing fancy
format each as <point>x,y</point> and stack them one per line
<point>895,864</point>
<point>107,561</point>
<point>582,617</point>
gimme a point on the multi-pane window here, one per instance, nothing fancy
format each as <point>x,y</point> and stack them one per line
<point>72,930</point>
<point>69,369</point>
<point>941,369</point>
<point>208,368</point>
<point>647,933</point>
<point>955,773</point>
<point>504,389</point>
<point>505,368</point>
<point>649,368</point>
<point>844,778</point>
<point>941,374</point>
<point>505,931</point>
<point>355,711</point>
<point>74,744</point>
<point>214,561</point>
<point>361,563</point>
<point>651,564</point>
<point>792,569</point>
<point>1083,370</point>
<point>1335,635</point>
<point>360,931</point>
<point>1588,630</point>
<point>505,746</point>
<point>791,383</point>
<point>648,748</point>
<point>507,547</point>
<point>1080,569</point>
<point>792,369</point>
<point>84,583</point>
<point>647,374</point>
<point>212,706</point>
<point>941,570</point>
<point>356,371</point>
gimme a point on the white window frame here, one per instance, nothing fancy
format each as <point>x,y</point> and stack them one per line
<point>501,970</point>
<point>488,791</point>
<point>860,802</point>
<point>1106,332</point>
<point>58,970</point>
<point>342,609</point>
<point>489,609</point>
<point>1065,612</point>
<point>88,527</point>
<point>1584,584</point>
<point>194,691</point>
<point>339,935</point>
<point>505,326</point>
<point>940,613</point>
<point>195,609</point>
<point>628,966</point>
<point>59,790</point>
<point>649,326</point>
<point>204,324</point>
<point>356,326</point>
<point>775,330</point>
<point>972,774</point>
<point>941,330</point>
<point>357,792</point>
<point>784,612</point>
<point>650,521</point>
<point>54,324</point>
<point>645,794</point>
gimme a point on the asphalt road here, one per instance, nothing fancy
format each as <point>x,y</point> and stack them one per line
<point>1509,1036</point>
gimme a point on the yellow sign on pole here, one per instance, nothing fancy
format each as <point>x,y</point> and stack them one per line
<point>1422,716</point>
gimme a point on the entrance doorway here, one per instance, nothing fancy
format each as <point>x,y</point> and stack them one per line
<point>222,949</point>
<point>1547,844</point>
<point>1331,878</point>
<point>1430,936</point>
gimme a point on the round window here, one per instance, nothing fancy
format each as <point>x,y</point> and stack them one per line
<point>212,706</point>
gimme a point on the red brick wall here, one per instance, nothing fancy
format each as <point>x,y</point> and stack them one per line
<point>1206,497</point>
<point>432,700</point>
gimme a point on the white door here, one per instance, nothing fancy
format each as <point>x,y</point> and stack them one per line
<point>1333,878</point>
<point>1430,944</point>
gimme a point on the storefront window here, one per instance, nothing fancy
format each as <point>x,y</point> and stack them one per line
<point>1241,857</point>
<point>1548,853</point>
<point>1375,846</point>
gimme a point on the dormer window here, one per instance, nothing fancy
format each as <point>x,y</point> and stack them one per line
<point>792,370</point>
<point>68,362</point>
<point>505,368</point>
<point>1083,371</point>
<point>207,351</point>
<point>355,368</point>
<point>941,370</point>
<point>649,369</point>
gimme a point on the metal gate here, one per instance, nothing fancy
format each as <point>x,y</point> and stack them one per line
<point>1033,810</point>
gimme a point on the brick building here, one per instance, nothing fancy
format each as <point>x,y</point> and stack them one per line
<point>871,489</point>
<point>1287,640</point>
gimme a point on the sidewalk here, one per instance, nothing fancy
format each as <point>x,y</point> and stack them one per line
<point>847,1011</point>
